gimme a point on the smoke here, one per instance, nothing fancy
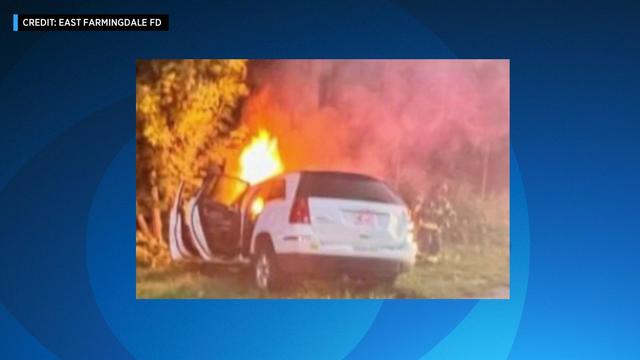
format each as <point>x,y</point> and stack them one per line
<point>417,121</point>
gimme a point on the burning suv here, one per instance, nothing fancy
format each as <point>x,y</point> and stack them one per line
<point>300,223</point>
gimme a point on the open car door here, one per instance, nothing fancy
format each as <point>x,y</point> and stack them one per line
<point>177,237</point>
<point>207,226</point>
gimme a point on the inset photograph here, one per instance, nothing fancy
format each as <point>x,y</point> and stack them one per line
<point>322,179</point>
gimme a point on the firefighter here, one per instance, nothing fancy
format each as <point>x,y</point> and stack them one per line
<point>416,217</point>
<point>437,221</point>
<point>428,233</point>
<point>443,213</point>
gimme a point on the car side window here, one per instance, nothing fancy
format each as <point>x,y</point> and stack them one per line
<point>249,196</point>
<point>275,190</point>
<point>269,191</point>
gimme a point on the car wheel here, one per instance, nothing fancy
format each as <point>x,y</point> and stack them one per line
<point>266,271</point>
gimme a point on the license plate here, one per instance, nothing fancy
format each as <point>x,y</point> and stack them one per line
<point>365,219</point>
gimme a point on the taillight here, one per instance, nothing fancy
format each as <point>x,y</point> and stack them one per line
<point>300,211</point>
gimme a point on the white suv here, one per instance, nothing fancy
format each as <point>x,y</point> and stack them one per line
<point>302,223</point>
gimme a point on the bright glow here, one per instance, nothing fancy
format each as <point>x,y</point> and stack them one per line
<point>260,160</point>
<point>256,206</point>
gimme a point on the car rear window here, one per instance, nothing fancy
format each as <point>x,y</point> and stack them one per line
<point>346,186</point>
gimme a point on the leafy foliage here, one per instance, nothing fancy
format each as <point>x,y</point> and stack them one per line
<point>186,121</point>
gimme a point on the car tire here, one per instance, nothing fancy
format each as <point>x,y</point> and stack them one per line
<point>266,272</point>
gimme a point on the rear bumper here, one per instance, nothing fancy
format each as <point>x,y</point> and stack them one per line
<point>331,265</point>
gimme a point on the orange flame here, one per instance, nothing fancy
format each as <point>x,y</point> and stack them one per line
<point>257,206</point>
<point>260,159</point>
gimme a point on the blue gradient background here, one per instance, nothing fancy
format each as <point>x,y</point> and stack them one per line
<point>67,178</point>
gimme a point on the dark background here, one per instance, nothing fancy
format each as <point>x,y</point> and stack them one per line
<point>67,183</point>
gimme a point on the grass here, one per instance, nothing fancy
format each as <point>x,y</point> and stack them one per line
<point>462,271</point>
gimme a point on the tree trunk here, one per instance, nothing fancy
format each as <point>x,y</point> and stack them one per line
<point>156,220</point>
<point>142,225</point>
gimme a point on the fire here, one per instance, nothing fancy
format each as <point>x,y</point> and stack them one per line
<point>257,206</point>
<point>260,159</point>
